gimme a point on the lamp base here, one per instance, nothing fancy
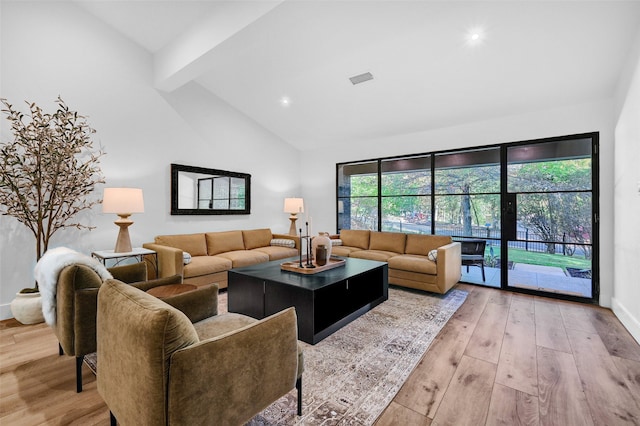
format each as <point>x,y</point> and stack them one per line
<point>292,229</point>
<point>123,244</point>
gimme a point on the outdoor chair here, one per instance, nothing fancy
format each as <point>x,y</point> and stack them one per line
<point>473,253</point>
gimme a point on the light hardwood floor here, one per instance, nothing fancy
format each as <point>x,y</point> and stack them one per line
<point>504,358</point>
<point>512,359</point>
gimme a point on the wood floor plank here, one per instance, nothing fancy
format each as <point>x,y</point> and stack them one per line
<point>517,367</point>
<point>615,337</point>
<point>510,407</point>
<point>630,369</point>
<point>486,340</point>
<point>396,414</point>
<point>561,398</point>
<point>550,332</point>
<point>471,386</point>
<point>473,306</point>
<point>605,387</point>
<point>574,316</point>
<point>424,389</point>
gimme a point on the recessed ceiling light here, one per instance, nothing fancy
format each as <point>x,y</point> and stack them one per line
<point>475,36</point>
<point>285,101</point>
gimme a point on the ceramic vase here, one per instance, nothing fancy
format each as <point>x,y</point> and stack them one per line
<point>322,240</point>
<point>27,308</point>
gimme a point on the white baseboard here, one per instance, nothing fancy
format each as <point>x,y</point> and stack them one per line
<point>626,318</point>
<point>5,311</point>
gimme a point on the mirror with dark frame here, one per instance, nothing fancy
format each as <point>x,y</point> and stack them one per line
<point>202,191</point>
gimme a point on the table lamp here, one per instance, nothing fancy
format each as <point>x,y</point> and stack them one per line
<point>123,202</point>
<point>293,206</point>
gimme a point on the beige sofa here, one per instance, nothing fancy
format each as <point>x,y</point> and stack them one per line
<point>212,254</point>
<point>407,256</point>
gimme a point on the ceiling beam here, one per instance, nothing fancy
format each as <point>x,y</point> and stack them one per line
<point>191,54</point>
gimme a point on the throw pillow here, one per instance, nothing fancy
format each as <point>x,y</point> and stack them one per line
<point>186,258</point>
<point>433,255</point>
<point>283,242</point>
<point>337,242</point>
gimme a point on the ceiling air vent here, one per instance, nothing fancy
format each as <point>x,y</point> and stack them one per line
<point>361,78</point>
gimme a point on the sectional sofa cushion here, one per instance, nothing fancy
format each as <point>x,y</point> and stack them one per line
<point>423,244</point>
<point>355,238</point>
<point>194,244</point>
<point>222,242</point>
<point>277,252</point>
<point>387,241</point>
<point>413,263</point>
<point>379,255</point>
<point>242,258</point>
<point>255,238</point>
<point>203,265</point>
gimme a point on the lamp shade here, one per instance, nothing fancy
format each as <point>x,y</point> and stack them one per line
<point>122,200</point>
<point>293,205</point>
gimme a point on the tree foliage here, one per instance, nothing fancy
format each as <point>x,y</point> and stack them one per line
<point>48,170</point>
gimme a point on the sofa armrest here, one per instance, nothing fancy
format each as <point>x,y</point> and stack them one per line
<point>170,259</point>
<point>449,265</point>
<point>289,237</point>
<point>158,282</point>
<point>257,377</point>
<point>198,304</point>
<point>130,273</point>
<point>84,318</point>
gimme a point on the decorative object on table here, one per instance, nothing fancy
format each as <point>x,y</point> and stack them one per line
<point>293,206</point>
<point>309,240</point>
<point>123,202</point>
<point>322,240</point>
<point>334,262</point>
<point>48,171</point>
<point>321,255</point>
<point>307,264</point>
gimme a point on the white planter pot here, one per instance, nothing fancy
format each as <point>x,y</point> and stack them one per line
<point>27,308</point>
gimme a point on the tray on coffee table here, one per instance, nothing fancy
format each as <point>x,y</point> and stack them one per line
<point>333,262</point>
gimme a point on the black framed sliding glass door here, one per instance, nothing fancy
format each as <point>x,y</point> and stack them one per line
<point>525,213</point>
<point>548,216</point>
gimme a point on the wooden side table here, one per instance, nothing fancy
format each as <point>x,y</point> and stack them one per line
<point>139,253</point>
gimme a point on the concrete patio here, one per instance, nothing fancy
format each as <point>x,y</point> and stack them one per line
<point>534,277</point>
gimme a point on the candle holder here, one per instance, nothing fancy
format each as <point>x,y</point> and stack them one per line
<point>308,239</point>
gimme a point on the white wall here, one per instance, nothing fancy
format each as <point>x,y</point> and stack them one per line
<point>318,180</point>
<point>626,250</point>
<point>55,48</point>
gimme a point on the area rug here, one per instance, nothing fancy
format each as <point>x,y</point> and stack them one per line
<point>351,376</point>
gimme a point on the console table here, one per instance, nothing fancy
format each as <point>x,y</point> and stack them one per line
<point>324,302</point>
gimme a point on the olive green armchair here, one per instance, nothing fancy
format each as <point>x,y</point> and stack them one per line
<point>77,302</point>
<point>156,367</point>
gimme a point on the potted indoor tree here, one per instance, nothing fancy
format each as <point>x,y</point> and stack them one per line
<point>47,173</point>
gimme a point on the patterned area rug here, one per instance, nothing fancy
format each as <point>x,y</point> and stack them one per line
<point>351,376</point>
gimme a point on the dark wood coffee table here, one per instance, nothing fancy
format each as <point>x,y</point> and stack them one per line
<point>324,302</point>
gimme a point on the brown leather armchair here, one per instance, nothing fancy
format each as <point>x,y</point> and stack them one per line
<point>156,367</point>
<point>76,306</point>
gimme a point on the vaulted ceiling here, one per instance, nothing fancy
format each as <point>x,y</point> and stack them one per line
<point>286,64</point>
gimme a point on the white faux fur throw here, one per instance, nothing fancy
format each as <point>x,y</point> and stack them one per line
<point>47,270</point>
